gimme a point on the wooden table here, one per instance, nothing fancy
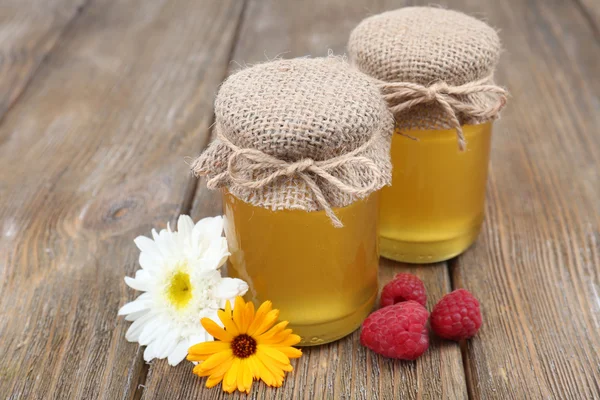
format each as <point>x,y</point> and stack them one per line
<point>100,100</point>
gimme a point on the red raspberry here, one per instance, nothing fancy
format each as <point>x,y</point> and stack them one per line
<point>403,287</point>
<point>456,316</point>
<point>397,331</point>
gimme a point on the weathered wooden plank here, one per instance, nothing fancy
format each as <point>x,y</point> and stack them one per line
<point>29,30</point>
<point>536,267</point>
<point>344,369</point>
<point>591,10</point>
<point>92,156</point>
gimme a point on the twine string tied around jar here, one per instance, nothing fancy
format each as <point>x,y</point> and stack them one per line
<point>401,96</point>
<point>271,168</point>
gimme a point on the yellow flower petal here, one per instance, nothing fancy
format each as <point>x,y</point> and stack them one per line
<point>272,339</point>
<point>273,332</point>
<point>265,374</point>
<point>273,353</point>
<point>191,357</point>
<point>267,322</point>
<point>207,348</point>
<point>214,380</point>
<point>216,359</point>
<point>250,312</point>
<point>239,380</point>
<point>271,372</point>
<point>253,364</point>
<point>258,318</point>
<point>229,381</point>
<point>217,370</point>
<point>246,316</point>
<point>290,352</point>
<point>247,376</point>
<point>276,367</point>
<point>215,330</point>
<point>244,377</point>
<point>225,318</point>
<point>269,363</point>
<point>283,340</point>
<point>239,314</point>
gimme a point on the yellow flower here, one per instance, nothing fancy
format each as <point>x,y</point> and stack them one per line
<point>249,348</point>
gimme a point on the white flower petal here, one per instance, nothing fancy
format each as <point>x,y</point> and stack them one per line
<point>166,244</point>
<point>185,226</point>
<point>136,315</point>
<point>202,274</point>
<point>179,353</point>
<point>135,306</point>
<point>215,255</point>
<point>229,288</point>
<point>150,263</point>
<point>147,245</point>
<point>134,331</point>
<point>172,345</point>
<point>140,282</point>
<point>167,343</point>
<point>207,229</point>
<point>151,331</point>
<point>141,274</point>
<point>204,337</point>
<point>167,329</point>
<point>149,353</point>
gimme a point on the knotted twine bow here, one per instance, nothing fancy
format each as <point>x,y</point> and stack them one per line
<point>404,95</point>
<point>272,168</point>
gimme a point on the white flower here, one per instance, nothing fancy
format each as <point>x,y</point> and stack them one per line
<point>182,283</point>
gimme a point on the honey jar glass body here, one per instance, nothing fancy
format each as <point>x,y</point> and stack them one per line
<point>322,279</point>
<point>434,209</point>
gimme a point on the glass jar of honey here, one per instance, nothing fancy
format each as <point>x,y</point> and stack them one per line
<point>301,152</point>
<point>322,278</point>
<point>435,69</point>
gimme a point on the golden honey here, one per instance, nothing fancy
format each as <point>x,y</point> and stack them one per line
<point>434,209</point>
<point>322,279</point>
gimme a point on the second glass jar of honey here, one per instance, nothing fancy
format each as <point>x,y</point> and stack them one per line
<point>435,69</point>
<point>302,149</point>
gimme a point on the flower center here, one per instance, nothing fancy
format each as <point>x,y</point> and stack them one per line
<point>179,291</point>
<point>243,346</point>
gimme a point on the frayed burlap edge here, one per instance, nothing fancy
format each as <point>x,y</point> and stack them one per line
<point>308,185</point>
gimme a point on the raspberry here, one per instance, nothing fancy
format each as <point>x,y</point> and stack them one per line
<point>456,316</point>
<point>403,287</point>
<point>397,331</point>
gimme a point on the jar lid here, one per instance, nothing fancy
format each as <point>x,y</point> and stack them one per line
<point>308,134</point>
<point>425,54</point>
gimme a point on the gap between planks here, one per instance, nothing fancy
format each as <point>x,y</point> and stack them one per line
<point>190,195</point>
<point>451,266</point>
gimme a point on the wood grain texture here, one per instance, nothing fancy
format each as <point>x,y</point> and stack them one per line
<point>591,10</point>
<point>29,30</point>
<point>94,153</point>
<point>536,266</point>
<point>344,369</point>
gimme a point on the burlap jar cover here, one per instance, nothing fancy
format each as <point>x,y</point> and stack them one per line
<point>435,67</point>
<point>304,134</point>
